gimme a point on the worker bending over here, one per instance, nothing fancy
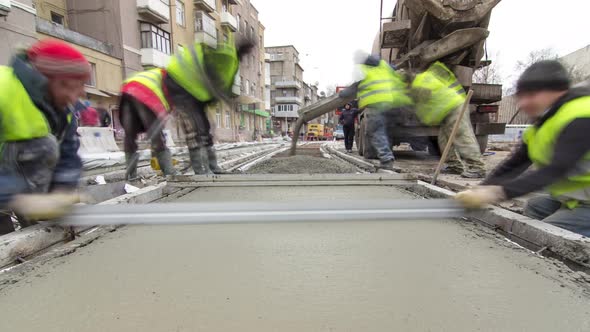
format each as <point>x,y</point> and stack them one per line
<point>382,94</point>
<point>558,147</point>
<point>39,164</point>
<point>439,98</point>
<point>195,78</point>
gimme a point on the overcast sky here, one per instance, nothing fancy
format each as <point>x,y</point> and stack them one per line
<point>328,32</point>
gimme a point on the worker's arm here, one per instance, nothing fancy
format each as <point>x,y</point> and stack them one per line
<point>571,147</point>
<point>510,168</point>
<point>350,91</point>
<point>69,166</point>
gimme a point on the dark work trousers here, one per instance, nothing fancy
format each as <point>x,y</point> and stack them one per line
<point>192,115</point>
<point>136,118</point>
<point>34,160</point>
<point>348,136</point>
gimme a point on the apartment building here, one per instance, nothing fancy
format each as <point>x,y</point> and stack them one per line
<point>286,90</point>
<point>123,37</point>
<point>17,26</point>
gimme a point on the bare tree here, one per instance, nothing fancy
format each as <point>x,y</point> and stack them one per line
<point>489,74</point>
<point>521,65</point>
<point>330,90</point>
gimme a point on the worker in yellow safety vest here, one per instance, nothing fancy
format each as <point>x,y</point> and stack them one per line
<point>383,95</point>
<point>196,77</point>
<point>439,97</point>
<point>556,145</point>
<point>39,163</point>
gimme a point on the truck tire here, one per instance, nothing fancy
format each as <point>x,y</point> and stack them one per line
<point>358,138</point>
<point>365,148</point>
<point>433,148</point>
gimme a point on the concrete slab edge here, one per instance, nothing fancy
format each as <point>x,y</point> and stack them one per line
<point>533,234</point>
<point>143,196</point>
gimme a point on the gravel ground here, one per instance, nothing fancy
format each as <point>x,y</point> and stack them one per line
<point>302,165</point>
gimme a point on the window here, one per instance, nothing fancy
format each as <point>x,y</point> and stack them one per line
<point>227,119</point>
<point>245,27</point>
<point>247,90</point>
<point>154,37</point>
<point>205,23</point>
<point>261,44</point>
<point>57,18</point>
<point>253,89</point>
<point>285,108</point>
<point>180,17</point>
<point>92,80</point>
<point>217,118</point>
<point>225,38</point>
<point>252,32</point>
<point>239,21</point>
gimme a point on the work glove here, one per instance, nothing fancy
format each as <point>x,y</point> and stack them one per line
<point>481,196</point>
<point>35,207</point>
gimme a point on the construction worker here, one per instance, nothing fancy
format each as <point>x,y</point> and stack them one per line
<point>195,78</point>
<point>39,164</point>
<point>382,94</point>
<point>439,98</point>
<point>558,147</point>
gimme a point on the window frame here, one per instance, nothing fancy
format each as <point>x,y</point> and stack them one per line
<point>154,37</point>
<point>180,10</point>
<point>56,14</point>
<point>92,80</point>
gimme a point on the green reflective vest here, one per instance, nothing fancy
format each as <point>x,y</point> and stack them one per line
<point>187,68</point>
<point>445,94</point>
<point>20,119</point>
<point>151,79</point>
<point>382,86</point>
<point>541,141</point>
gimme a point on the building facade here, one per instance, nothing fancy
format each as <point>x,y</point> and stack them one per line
<point>17,27</point>
<point>120,38</point>
<point>286,89</point>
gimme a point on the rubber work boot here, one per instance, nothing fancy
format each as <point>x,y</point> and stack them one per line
<point>453,170</point>
<point>213,166</point>
<point>388,165</point>
<point>165,161</point>
<point>200,161</point>
<point>131,160</point>
<point>473,174</point>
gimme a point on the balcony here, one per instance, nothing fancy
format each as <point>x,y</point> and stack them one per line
<point>288,84</point>
<point>205,30</point>
<point>203,37</point>
<point>208,6</point>
<point>156,11</point>
<point>227,20</point>
<point>154,58</point>
<point>289,100</point>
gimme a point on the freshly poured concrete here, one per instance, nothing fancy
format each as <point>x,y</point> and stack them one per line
<point>361,276</point>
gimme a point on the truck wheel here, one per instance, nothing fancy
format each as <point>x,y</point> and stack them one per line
<point>433,148</point>
<point>358,137</point>
<point>483,143</point>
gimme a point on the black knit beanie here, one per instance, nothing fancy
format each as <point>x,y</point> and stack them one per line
<point>546,75</point>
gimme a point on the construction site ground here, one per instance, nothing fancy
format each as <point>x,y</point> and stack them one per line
<point>443,275</point>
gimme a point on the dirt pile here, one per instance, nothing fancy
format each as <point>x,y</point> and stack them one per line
<point>302,165</point>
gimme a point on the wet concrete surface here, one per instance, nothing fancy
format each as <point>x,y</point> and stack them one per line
<point>356,276</point>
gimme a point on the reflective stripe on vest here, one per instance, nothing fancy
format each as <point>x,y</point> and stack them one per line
<point>151,79</point>
<point>20,119</point>
<point>384,86</point>
<point>187,68</point>
<point>445,94</point>
<point>541,144</point>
